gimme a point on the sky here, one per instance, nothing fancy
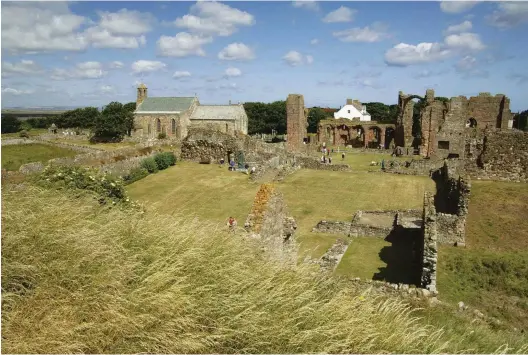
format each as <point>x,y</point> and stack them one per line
<point>91,53</point>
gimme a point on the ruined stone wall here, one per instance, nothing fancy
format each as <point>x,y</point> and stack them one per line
<point>333,227</point>
<point>203,144</point>
<point>296,123</point>
<point>268,223</point>
<point>224,126</point>
<point>498,155</point>
<point>308,162</point>
<point>429,248</point>
<point>490,111</point>
<point>403,132</point>
<point>451,203</point>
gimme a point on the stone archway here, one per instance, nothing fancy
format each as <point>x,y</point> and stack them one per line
<point>389,137</point>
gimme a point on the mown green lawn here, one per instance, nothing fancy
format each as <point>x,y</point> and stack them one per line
<point>13,156</point>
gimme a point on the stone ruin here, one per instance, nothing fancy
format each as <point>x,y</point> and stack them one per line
<point>413,233</point>
<point>269,223</point>
<point>445,125</point>
<point>296,123</point>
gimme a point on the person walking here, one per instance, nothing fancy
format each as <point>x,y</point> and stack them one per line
<point>343,156</point>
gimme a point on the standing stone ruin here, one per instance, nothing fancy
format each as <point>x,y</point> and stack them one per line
<point>296,123</point>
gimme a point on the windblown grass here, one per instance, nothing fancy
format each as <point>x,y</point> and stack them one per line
<point>77,278</point>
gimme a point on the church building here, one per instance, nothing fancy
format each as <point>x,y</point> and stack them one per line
<point>174,115</point>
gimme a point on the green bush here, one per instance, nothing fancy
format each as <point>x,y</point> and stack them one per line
<point>164,160</point>
<point>135,175</point>
<point>162,135</point>
<point>149,164</point>
<point>23,134</point>
<point>106,187</point>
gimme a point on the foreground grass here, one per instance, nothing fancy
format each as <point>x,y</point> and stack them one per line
<point>13,156</point>
<point>111,281</point>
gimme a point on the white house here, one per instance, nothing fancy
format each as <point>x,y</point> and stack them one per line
<point>353,110</point>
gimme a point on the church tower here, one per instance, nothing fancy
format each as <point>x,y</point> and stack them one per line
<point>141,94</point>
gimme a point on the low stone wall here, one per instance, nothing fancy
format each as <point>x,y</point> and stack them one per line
<point>333,256</point>
<point>16,141</point>
<point>308,162</point>
<point>429,248</point>
<point>333,227</point>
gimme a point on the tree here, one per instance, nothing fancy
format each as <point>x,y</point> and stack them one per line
<point>10,124</point>
<point>520,121</point>
<point>111,124</point>
<point>315,115</point>
<point>264,118</point>
<point>130,108</point>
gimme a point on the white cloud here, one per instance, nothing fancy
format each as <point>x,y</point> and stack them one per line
<point>464,41</point>
<point>462,27</point>
<point>232,72</point>
<point>182,45</point>
<point>509,14</point>
<point>116,65</point>
<point>236,51</point>
<point>36,27</point>
<point>406,54</point>
<point>368,34</point>
<point>428,73</point>
<point>457,7</point>
<point>210,18</point>
<point>457,44</point>
<point>126,22</point>
<point>24,67</point>
<point>147,66</point>
<point>11,91</point>
<point>314,41</point>
<point>468,67</point>
<point>308,5</point>
<point>84,70</point>
<point>294,58</point>
<point>342,14</point>
<point>181,74</point>
<point>107,89</point>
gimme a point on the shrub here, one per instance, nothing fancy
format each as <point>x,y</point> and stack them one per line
<point>135,175</point>
<point>24,134</point>
<point>164,160</point>
<point>106,187</point>
<point>149,164</point>
<point>162,135</point>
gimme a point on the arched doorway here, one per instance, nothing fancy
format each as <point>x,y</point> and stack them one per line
<point>373,137</point>
<point>389,137</point>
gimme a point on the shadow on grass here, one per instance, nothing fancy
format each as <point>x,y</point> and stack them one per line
<point>402,257</point>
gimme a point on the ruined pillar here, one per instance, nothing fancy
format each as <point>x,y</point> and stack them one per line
<point>296,123</point>
<point>403,130</point>
<point>382,137</point>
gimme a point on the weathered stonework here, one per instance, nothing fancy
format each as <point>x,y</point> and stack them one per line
<point>333,227</point>
<point>333,256</point>
<point>296,123</point>
<point>364,134</point>
<point>429,249</point>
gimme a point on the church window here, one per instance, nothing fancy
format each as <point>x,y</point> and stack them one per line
<point>173,127</point>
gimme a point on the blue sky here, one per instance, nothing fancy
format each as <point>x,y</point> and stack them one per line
<point>91,53</point>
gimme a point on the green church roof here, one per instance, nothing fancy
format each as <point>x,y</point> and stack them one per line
<point>165,104</point>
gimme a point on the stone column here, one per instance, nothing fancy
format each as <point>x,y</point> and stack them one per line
<point>382,137</point>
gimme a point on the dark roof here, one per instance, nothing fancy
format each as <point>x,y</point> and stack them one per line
<point>165,104</point>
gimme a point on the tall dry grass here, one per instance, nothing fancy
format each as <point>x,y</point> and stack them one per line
<point>79,278</point>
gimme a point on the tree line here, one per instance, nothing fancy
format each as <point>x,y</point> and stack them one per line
<point>110,123</point>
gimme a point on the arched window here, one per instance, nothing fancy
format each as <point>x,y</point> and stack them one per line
<point>471,123</point>
<point>158,125</point>
<point>173,126</point>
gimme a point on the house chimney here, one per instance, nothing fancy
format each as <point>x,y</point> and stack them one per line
<point>349,101</point>
<point>229,102</point>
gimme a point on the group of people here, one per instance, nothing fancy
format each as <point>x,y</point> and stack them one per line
<point>232,166</point>
<point>326,155</point>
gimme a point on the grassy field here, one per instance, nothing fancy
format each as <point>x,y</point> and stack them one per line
<point>81,278</point>
<point>315,195</point>
<point>13,156</point>
<point>32,133</point>
<point>208,192</point>
<point>86,143</point>
<point>360,161</point>
<point>492,271</point>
